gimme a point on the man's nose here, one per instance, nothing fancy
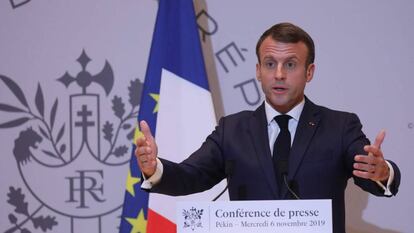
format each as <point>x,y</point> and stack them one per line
<point>280,73</point>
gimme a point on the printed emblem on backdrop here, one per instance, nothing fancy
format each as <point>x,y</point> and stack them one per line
<point>78,153</point>
<point>192,218</point>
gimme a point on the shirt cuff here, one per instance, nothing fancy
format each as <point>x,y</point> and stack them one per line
<point>148,183</point>
<point>387,189</point>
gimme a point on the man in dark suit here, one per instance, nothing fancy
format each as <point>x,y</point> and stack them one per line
<point>324,147</point>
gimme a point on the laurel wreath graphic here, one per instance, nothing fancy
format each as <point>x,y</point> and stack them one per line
<point>16,199</point>
<point>47,127</point>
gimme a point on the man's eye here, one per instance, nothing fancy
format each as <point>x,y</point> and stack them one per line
<point>269,65</point>
<point>290,65</point>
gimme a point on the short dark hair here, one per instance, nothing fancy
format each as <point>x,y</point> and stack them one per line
<point>288,33</point>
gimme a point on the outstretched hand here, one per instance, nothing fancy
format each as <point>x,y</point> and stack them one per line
<point>373,165</point>
<point>146,151</point>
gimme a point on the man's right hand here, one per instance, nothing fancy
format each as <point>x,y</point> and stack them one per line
<point>146,151</point>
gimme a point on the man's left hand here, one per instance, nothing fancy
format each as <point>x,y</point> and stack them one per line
<point>373,165</point>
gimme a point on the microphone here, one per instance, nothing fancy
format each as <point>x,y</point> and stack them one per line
<point>228,170</point>
<point>291,186</point>
<point>283,167</point>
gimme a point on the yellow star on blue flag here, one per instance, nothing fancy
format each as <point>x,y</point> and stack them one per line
<point>139,223</point>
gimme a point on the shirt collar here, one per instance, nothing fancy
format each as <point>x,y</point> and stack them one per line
<point>294,112</point>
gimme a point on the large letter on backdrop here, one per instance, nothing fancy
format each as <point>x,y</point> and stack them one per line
<point>177,104</point>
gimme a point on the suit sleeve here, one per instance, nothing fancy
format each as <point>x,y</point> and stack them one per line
<point>354,141</point>
<point>199,172</point>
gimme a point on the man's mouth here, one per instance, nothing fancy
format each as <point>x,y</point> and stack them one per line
<point>280,89</point>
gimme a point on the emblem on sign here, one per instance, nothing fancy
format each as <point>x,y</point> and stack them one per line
<point>192,218</point>
<point>70,150</point>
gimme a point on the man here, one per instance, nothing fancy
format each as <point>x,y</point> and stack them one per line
<point>309,156</point>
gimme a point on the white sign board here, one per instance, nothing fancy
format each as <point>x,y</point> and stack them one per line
<point>284,216</point>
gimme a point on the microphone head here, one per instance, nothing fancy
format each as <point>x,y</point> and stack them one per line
<point>229,167</point>
<point>283,167</point>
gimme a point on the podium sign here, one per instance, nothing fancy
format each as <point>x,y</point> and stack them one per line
<point>282,216</point>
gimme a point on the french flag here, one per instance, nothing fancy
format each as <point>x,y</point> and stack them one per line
<point>177,104</point>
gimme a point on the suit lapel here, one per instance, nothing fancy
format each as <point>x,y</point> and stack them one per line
<point>307,125</point>
<point>260,139</point>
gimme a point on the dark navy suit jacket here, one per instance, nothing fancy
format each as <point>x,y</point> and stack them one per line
<point>320,163</point>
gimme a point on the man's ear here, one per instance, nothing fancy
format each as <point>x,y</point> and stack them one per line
<point>309,72</point>
<point>258,72</point>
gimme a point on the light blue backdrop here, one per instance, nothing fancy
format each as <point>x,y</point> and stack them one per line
<point>364,63</point>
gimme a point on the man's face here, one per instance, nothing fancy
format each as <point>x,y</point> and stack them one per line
<point>283,73</point>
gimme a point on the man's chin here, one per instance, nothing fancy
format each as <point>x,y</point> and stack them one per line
<point>280,106</point>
